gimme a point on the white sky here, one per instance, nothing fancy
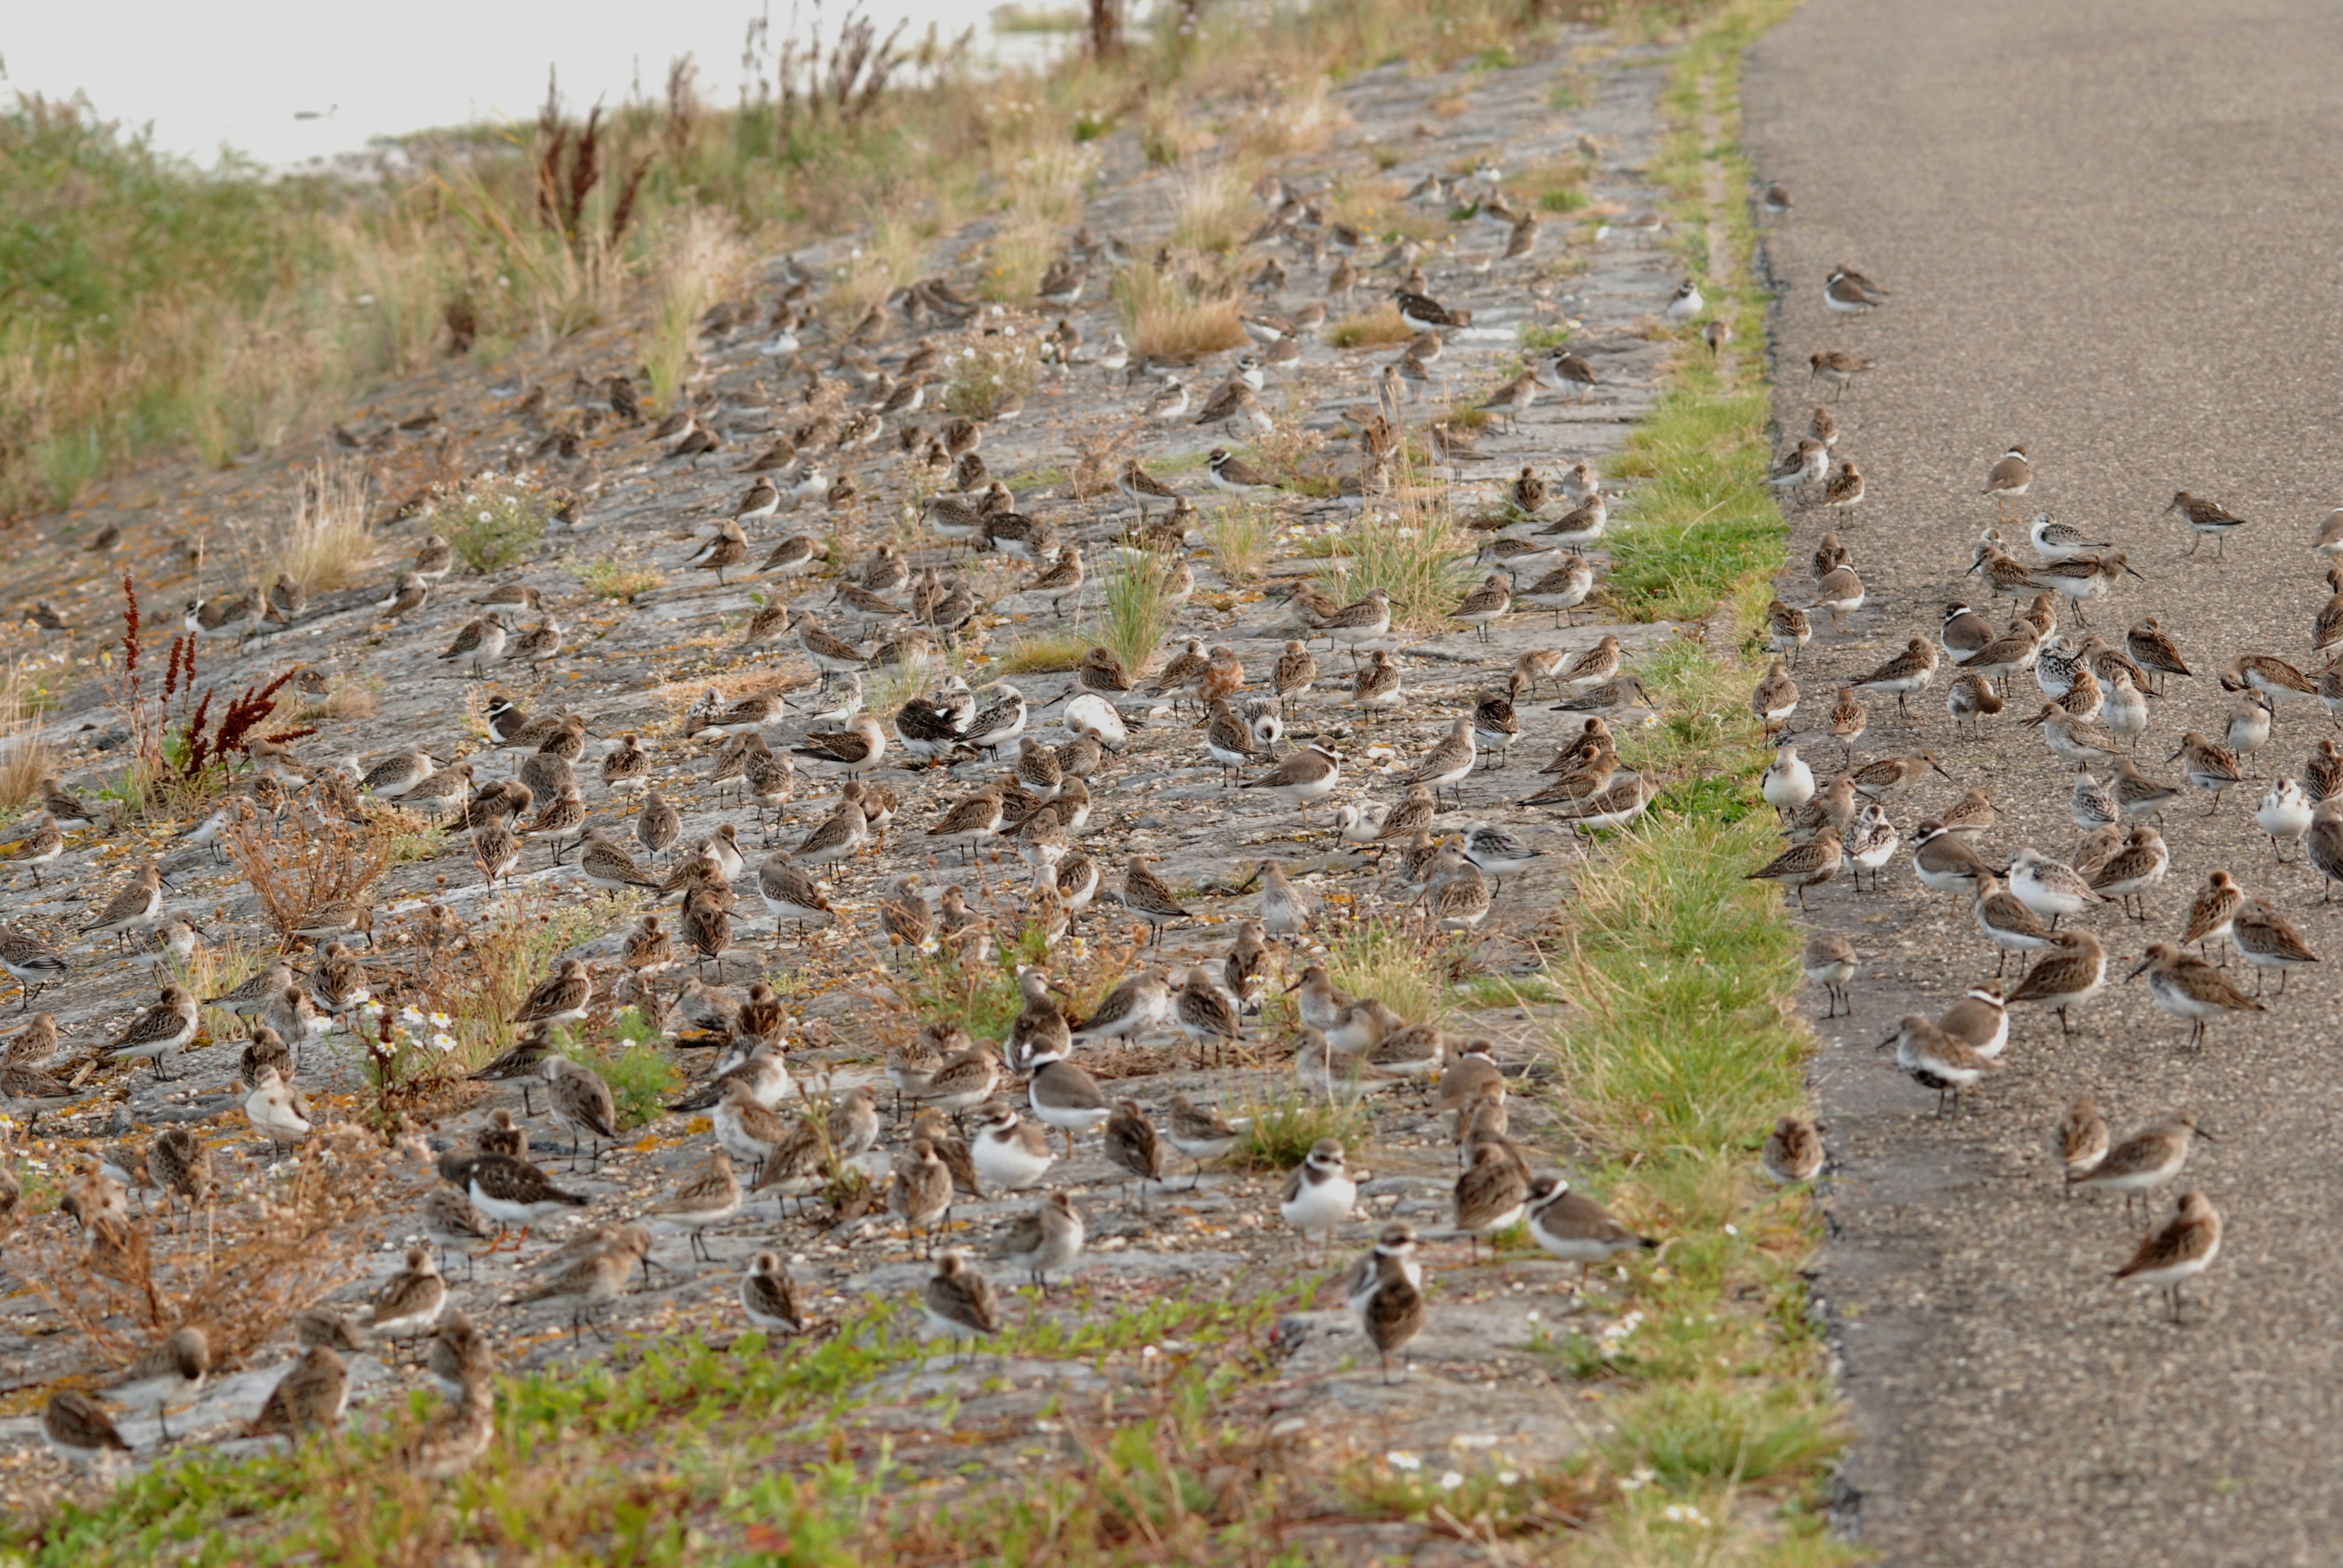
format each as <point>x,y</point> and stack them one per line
<point>237,71</point>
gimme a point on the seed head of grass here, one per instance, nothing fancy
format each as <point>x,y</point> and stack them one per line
<point>326,544</point>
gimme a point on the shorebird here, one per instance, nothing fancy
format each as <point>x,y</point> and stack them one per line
<point>1319,1194</point>
<point>1045,1240</point>
<point>1794,1151</point>
<point>2143,1162</point>
<point>133,909</point>
<point>1576,1229</point>
<point>166,1027</point>
<point>2206,519</point>
<point>1934,1060</point>
<point>960,1303</point>
<point>2187,987</point>
<point>2011,476</point>
<point>2184,1249</point>
<point>1830,962</point>
<point>2067,976</point>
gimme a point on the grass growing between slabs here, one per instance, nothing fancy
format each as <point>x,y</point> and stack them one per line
<point>1683,1045</point>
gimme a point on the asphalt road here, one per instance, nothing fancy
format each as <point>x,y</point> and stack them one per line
<point>2111,234</point>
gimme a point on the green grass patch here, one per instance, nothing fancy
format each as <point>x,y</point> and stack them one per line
<point>706,1410</point>
<point>1138,610</point>
<point>1239,536</point>
<point>1539,334</point>
<point>609,578</point>
<point>1706,527</point>
<point>1281,1128</point>
<point>1683,1044</point>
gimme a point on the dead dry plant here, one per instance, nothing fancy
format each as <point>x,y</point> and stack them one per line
<point>239,1273</point>
<point>307,862</point>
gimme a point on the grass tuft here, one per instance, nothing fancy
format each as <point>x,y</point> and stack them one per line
<point>328,545</point>
<point>1378,329</point>
<point>1211,210</point>
<point>493,522</point>
<point>610,577</point>
<point>1415,554</point>
<point>1137,609</point>
<point>702,257</point>
<point>1240,536</point>
<point>1164,318</point>
<point>1042,653</point>
<point>1280,1130</point>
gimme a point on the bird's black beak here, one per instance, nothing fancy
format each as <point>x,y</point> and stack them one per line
<point>2138,972</point>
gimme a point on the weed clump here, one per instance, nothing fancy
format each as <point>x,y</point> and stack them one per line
<point>492,522</point>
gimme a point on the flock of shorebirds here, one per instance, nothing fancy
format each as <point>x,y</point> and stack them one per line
<point>769,1133</point>
<point>2092,707</point>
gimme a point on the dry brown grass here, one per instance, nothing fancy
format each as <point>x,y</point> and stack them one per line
<point>306,861</point>
<point>886,260</point>
<point>1376,328</point>
<point>239,1272</point>
<point>1291,123</point>
<point>24,757</point>
<point>350,700</point>
<point>1211,208</point>
<point>703,258</point>
<point>1166,318</point>
<point>326,545</point>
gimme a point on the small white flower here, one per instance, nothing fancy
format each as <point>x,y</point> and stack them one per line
<point>1451,1480</point>
<point>486,519</point>
<point>1507,1477</point>
<point>361,997</point>
<point>443,1042</point>
<point>441,1020</point>
<point>410,1014</point>
<point>1400,1458</point>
